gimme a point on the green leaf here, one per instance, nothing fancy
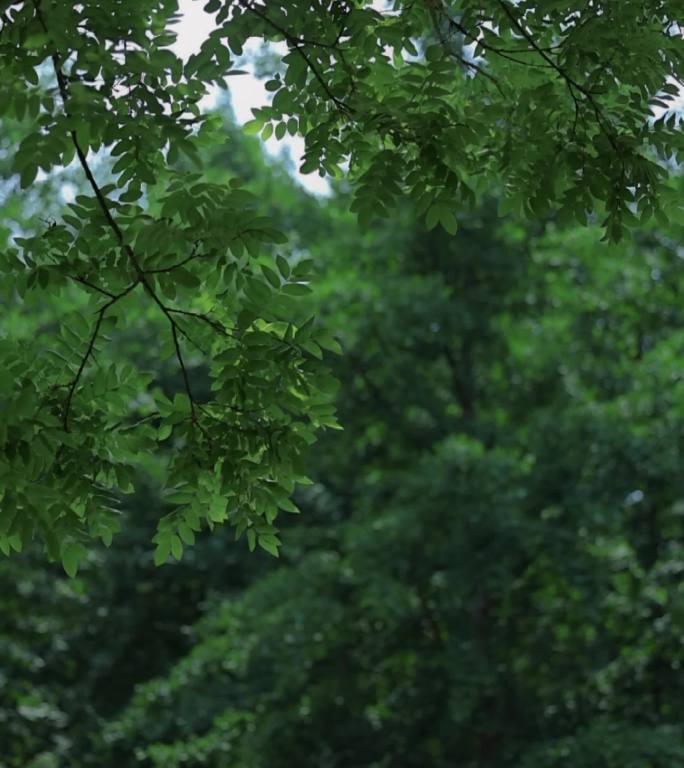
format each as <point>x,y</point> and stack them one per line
<point>283,266</point>
<point>36,40</point>
<point>217,509</point>
<point>28,175</point>
<point>296,289</point>
<point>162,552</point>
<point>176,547</point>
<point>287,505</point>
<point>448,220</point>
<point>432,216</point>
<point>252,127</point>
<point>271,276</point>
<point>73,555</point>
<point>270,544</point>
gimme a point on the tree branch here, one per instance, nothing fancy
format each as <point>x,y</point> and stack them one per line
<point>186,380</point>
<point>89,351</point>
<point>502,52</point>
<point>571,82</point>
<point>83,281</point>
<point>104,207</point>
<point>297,45</point>
<point>193,255</point>
<point>215,324</point>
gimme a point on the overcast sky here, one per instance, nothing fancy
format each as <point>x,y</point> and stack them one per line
<point>245,90</point>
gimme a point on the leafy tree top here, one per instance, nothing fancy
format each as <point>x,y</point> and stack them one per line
<point>435,100</point>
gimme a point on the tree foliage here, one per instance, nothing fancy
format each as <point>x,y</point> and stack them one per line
<point>436,101</point>
<point>488,568</point>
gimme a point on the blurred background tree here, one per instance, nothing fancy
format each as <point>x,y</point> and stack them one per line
<point>489,570</point>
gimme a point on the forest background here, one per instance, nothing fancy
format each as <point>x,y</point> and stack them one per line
<point>488,569</point>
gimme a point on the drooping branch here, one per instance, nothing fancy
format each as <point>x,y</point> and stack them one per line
<point>473,66</point>
<point>193,255</point>
<point>181,362</point>
<point>501,52</point>
<point>113,225</point>
<point>215,324</point>
<point>87,283</point>
<point>89,350</point>
<point>565,76</point>
<point>298,46</point>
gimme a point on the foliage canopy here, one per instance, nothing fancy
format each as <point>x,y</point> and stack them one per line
<point>488,568</point>
<point>561,104</point>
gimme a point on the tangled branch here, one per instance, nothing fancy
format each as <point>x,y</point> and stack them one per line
<point>89,350</point>
<point>113,225</point>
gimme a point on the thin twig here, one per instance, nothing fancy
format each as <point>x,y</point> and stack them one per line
<point>498,51</point>
<point>186,380</point>
<point>215,324</point>
<point>104,207</point>
<point>571,82</point>
<point>121,426</point>
<point>89,351</point>
<point>97,288</point>
<point>467,63</point>
<point>193,255</point>
<point>295,43</point>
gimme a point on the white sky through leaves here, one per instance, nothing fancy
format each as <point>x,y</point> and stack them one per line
<point>246,91</point>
